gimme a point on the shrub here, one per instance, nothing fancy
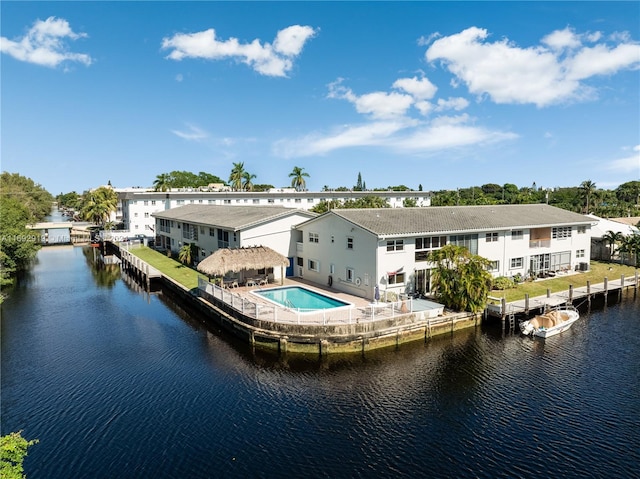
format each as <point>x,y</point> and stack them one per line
<point>502,283</point>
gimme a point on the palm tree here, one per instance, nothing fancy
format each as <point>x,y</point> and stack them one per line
<point>185,253</point>
<point>587,188</point>
<point>631,244</point>
<point>247,184</point>
<point>298,176</point>
<point>236,176</point>
<point>461,280</point>
<point>161,183</point>
<point>99,204</point>
<point>613,238</point>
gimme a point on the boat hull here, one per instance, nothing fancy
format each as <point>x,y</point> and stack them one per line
<point>551,323</point>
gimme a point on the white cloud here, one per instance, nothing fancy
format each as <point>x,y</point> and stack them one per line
<point>561,39</point>
<point>378,105</point>
<point>368,134</point>
<point>392,126</point>
<point>193,133</point>
<point>264,58</point>
<point>457,104</point>
<point>543,75</point>
<point>407,136</point>
<point>44,44</point>
<point>628,164</point>
<point>420,89</point>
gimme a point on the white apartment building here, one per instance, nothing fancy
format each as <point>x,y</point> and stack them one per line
<point>211,227</point>
<point>355,250</point>
<point>136,206</point>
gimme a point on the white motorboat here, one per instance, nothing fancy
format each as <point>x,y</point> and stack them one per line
<point>550,323</point>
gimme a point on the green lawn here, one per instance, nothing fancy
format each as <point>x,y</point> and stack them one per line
<point>188,277</point>
<point>598,271</point>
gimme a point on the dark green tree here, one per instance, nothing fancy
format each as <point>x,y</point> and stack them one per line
<point>461,280</point>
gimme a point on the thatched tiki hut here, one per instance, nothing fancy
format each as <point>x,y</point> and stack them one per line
<point>254,258</point>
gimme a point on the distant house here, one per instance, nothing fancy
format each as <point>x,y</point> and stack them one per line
<point>210,228</point>
<point>355,250</point>
<point>600,248</point>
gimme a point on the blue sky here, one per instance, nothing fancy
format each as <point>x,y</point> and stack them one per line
<point>438,94</point>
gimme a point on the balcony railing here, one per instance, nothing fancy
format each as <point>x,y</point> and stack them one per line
<point>544,243</point>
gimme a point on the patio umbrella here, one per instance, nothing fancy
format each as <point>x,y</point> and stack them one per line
<point>376,293</point>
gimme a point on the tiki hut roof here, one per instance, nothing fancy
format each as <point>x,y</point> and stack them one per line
<point>225,260</point>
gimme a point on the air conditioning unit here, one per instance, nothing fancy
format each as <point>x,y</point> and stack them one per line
<point>584,266</point>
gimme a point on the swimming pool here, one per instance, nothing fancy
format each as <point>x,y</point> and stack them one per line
<point>300,298</point>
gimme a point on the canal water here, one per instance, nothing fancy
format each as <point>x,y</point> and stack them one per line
<point>115,382</point>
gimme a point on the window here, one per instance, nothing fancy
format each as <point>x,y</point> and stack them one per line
<point>468,241</point>
<point>270,201</point>
<point>223,239</point>
<point>580,253</point>
<point>492,237</point>
<point>582,230</point>
<point>314,238</point>
<point>349,243</point>
<point>298,200</point>
<point>146,203</point>
<point>516,263</point>
<point>226,202</point>
<point>350,275</point>
<point>561,232</point>
<point>212,231</point>
<point>397,278</point>
<point>332,269</point>
<point>256,201</point>
<point>202,230</point>
<point>146,215</point>
<point>424,245</point>
<point>313,265</point>
<point>517,235</point>
<point>300,261</point>
<point>395,245</point>
<point>153,202</point>
<point>180,202</point>
<point>494,266</point>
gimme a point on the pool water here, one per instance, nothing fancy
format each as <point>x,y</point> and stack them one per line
<point>300,298</point>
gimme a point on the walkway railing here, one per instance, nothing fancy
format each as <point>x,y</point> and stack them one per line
<point>291,315</point>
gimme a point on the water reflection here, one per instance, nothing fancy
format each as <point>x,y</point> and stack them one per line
<point>104,273</point>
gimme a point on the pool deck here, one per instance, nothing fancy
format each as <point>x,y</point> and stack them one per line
<point>245,291</point>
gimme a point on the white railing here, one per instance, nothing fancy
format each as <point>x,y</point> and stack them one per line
<point>280,314</point>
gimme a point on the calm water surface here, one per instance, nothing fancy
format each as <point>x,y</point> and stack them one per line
<point>118,383</point>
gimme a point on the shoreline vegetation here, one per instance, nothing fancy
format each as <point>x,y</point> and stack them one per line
<point>598,270</point>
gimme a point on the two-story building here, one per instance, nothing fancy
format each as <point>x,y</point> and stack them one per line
<point>355,250</point>
<point>209,228</point>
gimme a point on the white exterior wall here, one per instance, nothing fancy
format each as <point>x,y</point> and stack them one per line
<point>136,213</point>
<point>372,262</point>
<point>334,257</point>
<point>278,235</point>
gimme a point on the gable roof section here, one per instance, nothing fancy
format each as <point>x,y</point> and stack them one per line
<point>229,217</point>
<point>458,219</point>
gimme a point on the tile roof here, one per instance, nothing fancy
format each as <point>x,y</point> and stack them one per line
<point>231,217</point>
<point>447,219</point>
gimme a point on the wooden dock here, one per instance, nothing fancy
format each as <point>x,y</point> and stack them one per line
<point>586,293</point>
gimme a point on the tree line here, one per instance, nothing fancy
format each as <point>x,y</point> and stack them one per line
<point>585,198</point>
<point>22,202</point>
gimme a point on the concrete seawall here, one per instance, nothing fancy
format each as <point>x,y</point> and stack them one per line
<point>321,340</point>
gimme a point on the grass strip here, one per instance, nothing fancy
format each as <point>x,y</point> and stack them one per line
<point>597,272</point>
<point>186,276</point>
